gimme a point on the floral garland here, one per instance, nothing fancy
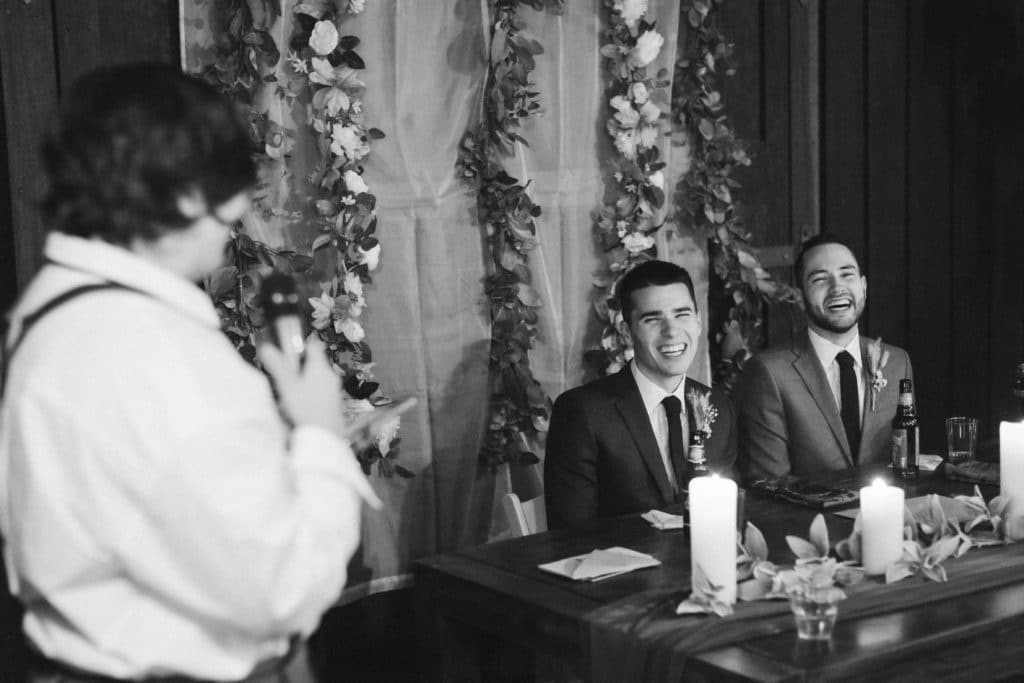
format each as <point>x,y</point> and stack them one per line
<point>519,408</point>
<point>705,193</point>
<point>322,63</point>
<point>625,224</point>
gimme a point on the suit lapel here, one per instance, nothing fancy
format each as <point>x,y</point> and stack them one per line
<point>808,367</point>
<point>638,424</point>
<point>872,419</point>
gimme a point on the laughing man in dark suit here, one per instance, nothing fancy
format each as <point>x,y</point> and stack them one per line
<point>608,448</point>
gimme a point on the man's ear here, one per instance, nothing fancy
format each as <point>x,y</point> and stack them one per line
<point>622,327</point>
<point>191,205</point>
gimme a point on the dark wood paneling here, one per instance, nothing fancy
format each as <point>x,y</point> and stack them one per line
<point>929,262</point>
<point>969,343</point>
<point>29,73</point>
<point>94,33</point>
<point>885,226</point>
<point>842,121</point>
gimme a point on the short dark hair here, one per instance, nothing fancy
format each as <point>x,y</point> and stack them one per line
<point>130,141</point>
<point>650,274</point>
<point>819,240</point>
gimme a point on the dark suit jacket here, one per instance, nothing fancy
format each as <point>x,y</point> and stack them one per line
<point>602,458</point>
<point>789,422</point>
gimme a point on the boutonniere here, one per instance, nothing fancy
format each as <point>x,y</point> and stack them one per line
<point>704,412</point>
<point>876,361</point>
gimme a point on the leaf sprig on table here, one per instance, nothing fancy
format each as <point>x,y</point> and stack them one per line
<point>704,598</point>
<point>813,572</point>
<point>931,536</point>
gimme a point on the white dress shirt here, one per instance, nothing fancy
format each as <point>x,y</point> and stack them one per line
<point>159,515</point>
<point>652,396</point>
<point>826,352</point>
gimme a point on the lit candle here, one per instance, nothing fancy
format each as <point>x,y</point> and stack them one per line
<point>881,520</point>
<point>1011,465</point>
<point>713,534</point>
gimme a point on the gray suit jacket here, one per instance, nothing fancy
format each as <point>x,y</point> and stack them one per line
<point>789,422</point>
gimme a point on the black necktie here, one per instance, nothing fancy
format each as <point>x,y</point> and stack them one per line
<point>849,400</point>
<point>676,448</point>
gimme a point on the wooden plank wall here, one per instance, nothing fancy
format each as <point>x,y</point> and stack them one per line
<point>44,46</point>
<point>897,125</point>
<point>921,105</point>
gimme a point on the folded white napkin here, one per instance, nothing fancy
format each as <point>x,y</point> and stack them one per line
<point>663,520</point>
<point>600,564</point>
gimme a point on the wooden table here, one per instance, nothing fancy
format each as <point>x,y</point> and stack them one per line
<point>483,610</point>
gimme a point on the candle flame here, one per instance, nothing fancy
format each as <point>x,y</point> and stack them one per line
<point>878,483</point>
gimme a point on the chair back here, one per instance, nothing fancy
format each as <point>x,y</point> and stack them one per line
<point>525,517</point>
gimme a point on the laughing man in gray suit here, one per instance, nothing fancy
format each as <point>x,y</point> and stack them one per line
<point>793,418</point>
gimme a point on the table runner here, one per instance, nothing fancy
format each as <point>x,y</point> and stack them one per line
<point>640,638</point>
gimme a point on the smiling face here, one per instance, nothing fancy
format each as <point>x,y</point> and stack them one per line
<point>665,328</point>
<point>834,291</point>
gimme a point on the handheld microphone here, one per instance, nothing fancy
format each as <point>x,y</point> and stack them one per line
<point>279,298</point>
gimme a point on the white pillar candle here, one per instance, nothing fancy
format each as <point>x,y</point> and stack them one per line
<point>881,520</point>
<point>1011,465</point>
<point>713,534</point>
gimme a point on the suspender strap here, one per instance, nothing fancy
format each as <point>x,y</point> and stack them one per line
<point>7,351</point>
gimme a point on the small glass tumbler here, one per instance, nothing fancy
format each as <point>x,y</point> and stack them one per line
<point>961,438</point>
<point>815,611</point>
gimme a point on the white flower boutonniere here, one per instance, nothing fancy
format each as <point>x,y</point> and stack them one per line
<point>704,412</point>
<point>876,361</point>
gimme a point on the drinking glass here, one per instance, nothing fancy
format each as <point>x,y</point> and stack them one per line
<point>815,611</point>
<point>961,438</point>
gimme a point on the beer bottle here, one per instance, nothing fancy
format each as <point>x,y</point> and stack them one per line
<point>905,433</point>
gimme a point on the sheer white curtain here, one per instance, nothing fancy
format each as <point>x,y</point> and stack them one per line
<point>427,318</point>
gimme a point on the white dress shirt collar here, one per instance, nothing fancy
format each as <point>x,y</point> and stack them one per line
<point>826,351</point>
<point>99,259</point>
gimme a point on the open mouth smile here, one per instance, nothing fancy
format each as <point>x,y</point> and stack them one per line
<point>673,350</point>
<point>839,305</point>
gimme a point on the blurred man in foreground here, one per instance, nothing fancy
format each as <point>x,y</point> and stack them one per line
<point>161,517</point>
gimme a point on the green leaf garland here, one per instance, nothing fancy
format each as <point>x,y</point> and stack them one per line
<point>705,193</point>
<point>626,223</point>
<point>518,409</point>
<point>322,67</point>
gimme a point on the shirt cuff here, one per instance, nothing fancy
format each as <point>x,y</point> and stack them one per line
<point>314,447</point>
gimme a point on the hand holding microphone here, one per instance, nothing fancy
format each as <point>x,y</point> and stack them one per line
<point>279,298</point>
<point>309,390</point>
<point>308,387</point>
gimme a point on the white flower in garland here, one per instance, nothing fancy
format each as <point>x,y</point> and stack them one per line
<point>636,242</point>
<point>354,182</point>
<point>638,93</point>
<point>657,179</point>
<point>324,38</point>
<point>347,142</point>
<point>352,330</point>
<point>334,100</point>
<point>371,257</point>
<point>356,6</point>
<point>625,142</point>
<point>646,50</point>
<point>323,309</point>
<point>632,11</point>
